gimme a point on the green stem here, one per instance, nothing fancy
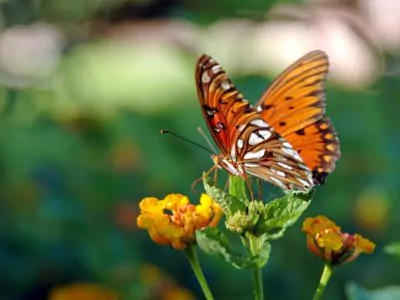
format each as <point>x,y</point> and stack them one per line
<point>257,272</point>
<point>9,102</point>
<point>194,262</point>
<point>323,282</point>
<point>258,284</point>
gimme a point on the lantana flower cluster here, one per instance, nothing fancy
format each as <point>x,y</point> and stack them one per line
<point>174,220</point>
<point>326,240</point>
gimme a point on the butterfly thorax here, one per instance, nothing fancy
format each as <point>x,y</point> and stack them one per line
<point>233,168</point>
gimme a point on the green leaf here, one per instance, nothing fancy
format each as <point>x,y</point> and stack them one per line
<point>237,188</point>
<point>393,248</point>
<point>356,292</point>
<point>214,242</point>
<point>282,213</point>
<point>260,247</point>
<point>229,203</point>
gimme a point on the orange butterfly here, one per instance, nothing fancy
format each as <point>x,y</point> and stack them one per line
<point>286,139</point>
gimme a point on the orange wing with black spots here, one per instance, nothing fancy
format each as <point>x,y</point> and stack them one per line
<point>222,105</point>
<point>294,105</point>
<point>286,140</point>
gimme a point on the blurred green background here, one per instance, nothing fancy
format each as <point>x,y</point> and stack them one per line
<point>86,87</point>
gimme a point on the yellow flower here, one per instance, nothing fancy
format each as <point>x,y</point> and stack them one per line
<point>326,240</point>
<point>174,220</point>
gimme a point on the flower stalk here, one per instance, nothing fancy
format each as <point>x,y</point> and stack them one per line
<point>257,272</point>
<point>326,275</point>
<point>194,262</point>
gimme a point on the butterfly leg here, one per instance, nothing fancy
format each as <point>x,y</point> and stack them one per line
<point>249,187</point>
<point>215,175</point>
<point>202,177</point>
<point>259,187</point>
<point>226,185</point>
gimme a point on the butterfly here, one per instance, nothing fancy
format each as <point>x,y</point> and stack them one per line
<point>285,139</point>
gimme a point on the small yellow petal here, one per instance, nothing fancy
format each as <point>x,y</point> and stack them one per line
<point>149,204</point>
<point>363,244</point>
<point>174,201</point>
<point>330,240</point>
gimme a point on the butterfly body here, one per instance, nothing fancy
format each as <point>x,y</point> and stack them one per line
<point>286,139</point>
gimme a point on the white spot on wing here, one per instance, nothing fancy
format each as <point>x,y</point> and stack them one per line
<point>225,85</point>
<point>287,148</point>
<point>251,165</point>
<point>281,157</point>
<point>230,168</point>
<point>240,143</point>
<point>255,155</point>
<point>287,145</point>
<point>283,165</point>
<point>215,69</point>
<point>277,182</point>
<point>241,127</point>
<point>254,139</point>
<point>210,112</point>
<point>303,167</point>
<point>233,153</point>
<point>303,182</point>
<point>205,78</point>
<point>278,172</point>
<point>259,108</point>
<point>266,134</point>
<point>259,123</point>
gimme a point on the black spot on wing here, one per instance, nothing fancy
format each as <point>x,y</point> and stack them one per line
<point>266,106</point>
<point>319,177</point>
<point>248,109</point>
<point>210,111</point>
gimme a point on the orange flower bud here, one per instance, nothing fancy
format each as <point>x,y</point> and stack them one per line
<point>325,239</point>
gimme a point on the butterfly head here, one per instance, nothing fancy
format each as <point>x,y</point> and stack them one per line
<point>226,163</point>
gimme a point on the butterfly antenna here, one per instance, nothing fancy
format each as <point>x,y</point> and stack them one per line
<point>163,131</point>
<point>207,139</point>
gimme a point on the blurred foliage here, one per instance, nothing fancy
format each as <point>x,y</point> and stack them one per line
<point>79,149</point>
<point>81,292</point>
<point>355,292</point>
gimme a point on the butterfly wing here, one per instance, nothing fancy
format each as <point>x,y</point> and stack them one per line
<point>244,138</point>
<point>294,105</point>
<point>265,154</point>
<point>221,103</point>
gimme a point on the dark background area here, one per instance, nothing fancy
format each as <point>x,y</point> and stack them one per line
<point>85,88</point>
